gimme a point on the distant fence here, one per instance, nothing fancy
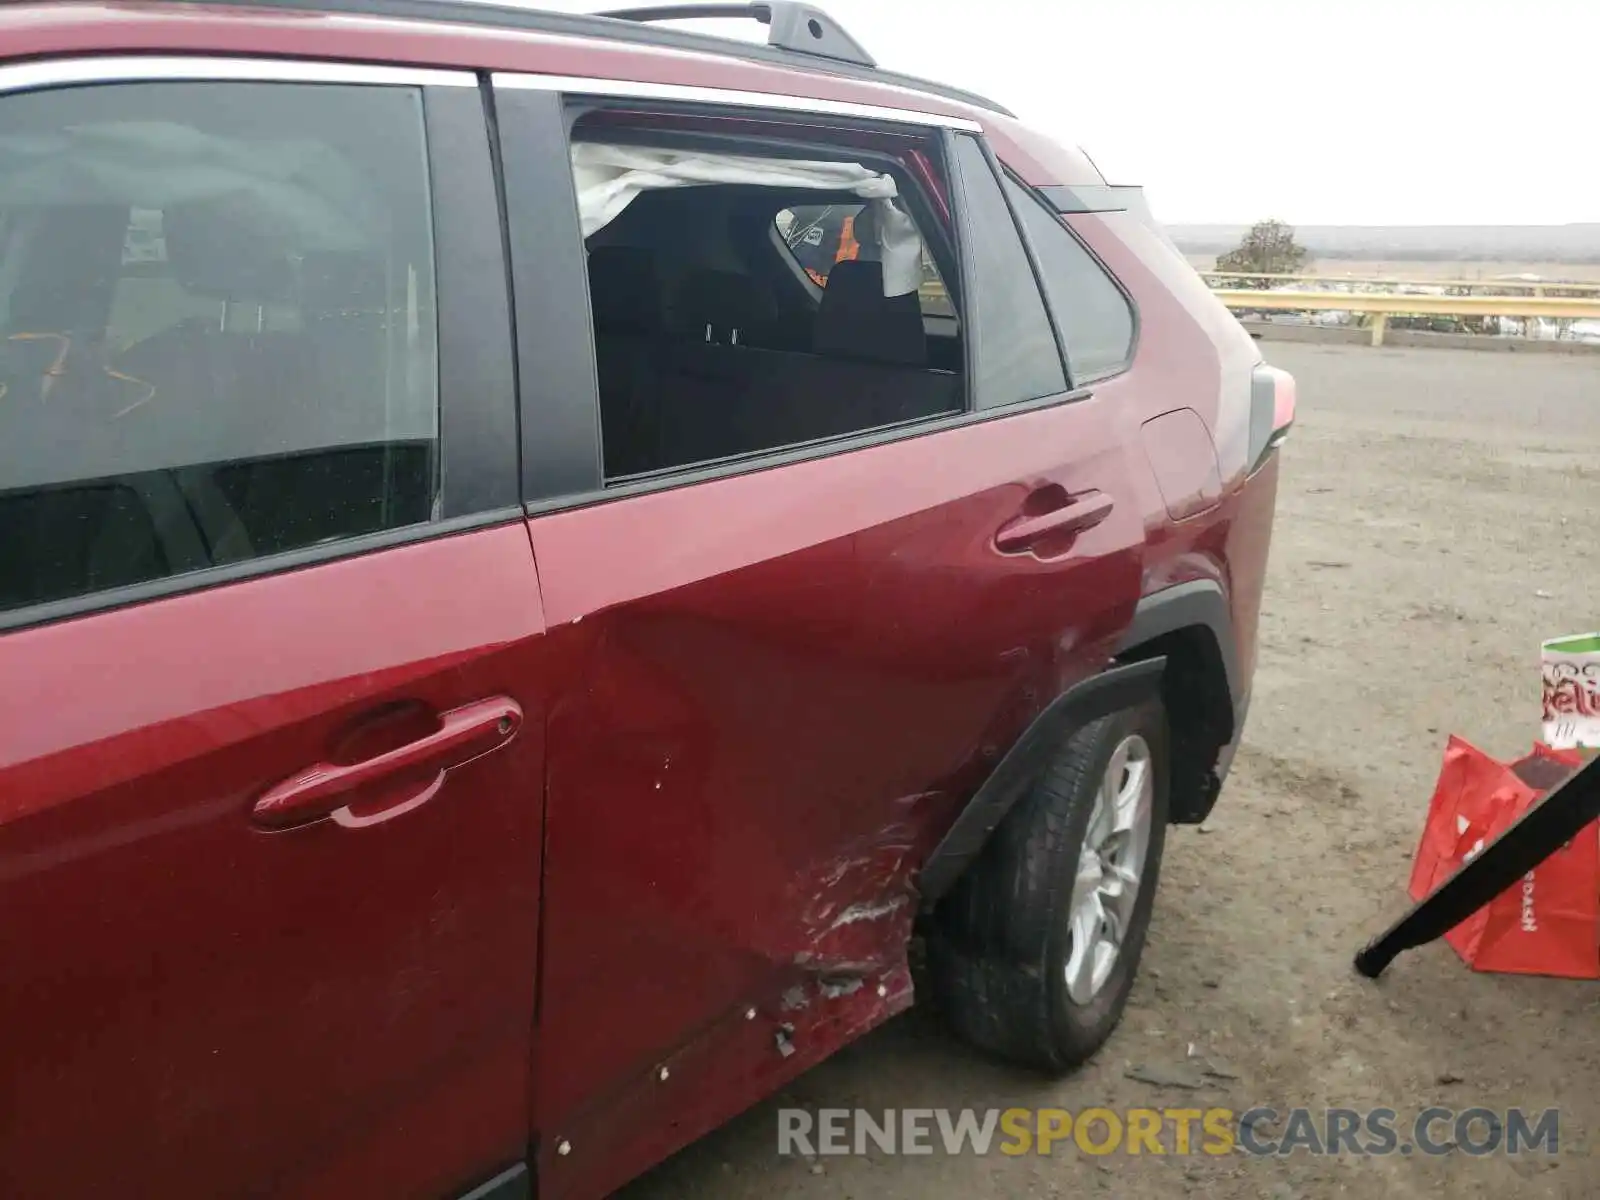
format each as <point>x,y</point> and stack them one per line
<point>1576,301</point>
<point>1534,287</point>
<point>1541,299</point>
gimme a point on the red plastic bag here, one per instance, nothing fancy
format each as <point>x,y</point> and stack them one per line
<point>1549,923</point>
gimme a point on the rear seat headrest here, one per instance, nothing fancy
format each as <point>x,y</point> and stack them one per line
<point>334,281</point>
<point>70,266</point>
<point>215,250</point>
<point>723,306</point>
<point>856,320</point>
<point>623,290</point>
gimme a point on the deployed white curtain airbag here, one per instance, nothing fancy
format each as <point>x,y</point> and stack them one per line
<point>609,177</point>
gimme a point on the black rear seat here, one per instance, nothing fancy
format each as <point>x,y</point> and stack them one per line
<point>626,297</point>
<point>725,307</point>
<point>714,391</point>
<point>857,321</point>
<point>709,373</point>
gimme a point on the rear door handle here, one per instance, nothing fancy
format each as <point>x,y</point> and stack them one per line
<point>1079,513</point>
<point>324,789</point>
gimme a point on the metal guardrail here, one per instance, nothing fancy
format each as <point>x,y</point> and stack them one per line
<point>1539,287</point>
<point>1380,306</point>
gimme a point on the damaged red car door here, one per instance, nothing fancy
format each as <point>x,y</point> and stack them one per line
<point>755,740</point>
<point>774,678</point>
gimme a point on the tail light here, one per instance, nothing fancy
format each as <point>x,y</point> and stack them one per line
<point>1272,401</point>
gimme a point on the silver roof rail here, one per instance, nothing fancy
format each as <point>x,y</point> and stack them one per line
<point>797,28</point>
<point>791,42</point>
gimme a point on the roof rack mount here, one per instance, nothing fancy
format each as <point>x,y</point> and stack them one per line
<point>798,28</point>
<point>645,28</point>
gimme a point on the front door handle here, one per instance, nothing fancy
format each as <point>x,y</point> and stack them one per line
<point>324,789</point>
<point>1079,513</point>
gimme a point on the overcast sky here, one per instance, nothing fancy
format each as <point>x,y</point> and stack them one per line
<point>1313,111</point>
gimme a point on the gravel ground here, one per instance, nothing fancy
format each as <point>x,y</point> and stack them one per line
<point>1429,535</point>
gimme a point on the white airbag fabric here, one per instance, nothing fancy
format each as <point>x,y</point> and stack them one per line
<point>609,177</point>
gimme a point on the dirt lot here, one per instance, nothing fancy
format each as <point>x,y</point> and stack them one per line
<point>1430,532</point>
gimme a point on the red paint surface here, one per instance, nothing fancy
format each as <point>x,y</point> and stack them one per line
<point>1184,461</point>
<point>775,690</point>
<point>196,1007</point>
<point>761,701</point>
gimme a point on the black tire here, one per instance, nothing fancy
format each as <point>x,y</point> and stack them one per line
<point>1000,942</point>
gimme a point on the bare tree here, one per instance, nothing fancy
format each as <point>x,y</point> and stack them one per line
<point>1268,249</point>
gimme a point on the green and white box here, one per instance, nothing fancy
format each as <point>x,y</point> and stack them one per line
<point>1571,669</point>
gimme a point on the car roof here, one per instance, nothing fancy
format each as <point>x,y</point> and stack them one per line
<point>842,55</point>
<point>506,37</point>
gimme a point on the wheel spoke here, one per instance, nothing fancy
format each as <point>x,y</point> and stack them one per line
<point>1133,799</point>
<point>1088,921</point>
<point>1124,876</point>
<point>1110,868</point>
<point>1114,926</point>
<point>1101,819</point>
<point>1111,781</point>
<point>1091,874</point>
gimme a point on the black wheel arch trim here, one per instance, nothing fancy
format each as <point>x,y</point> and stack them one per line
<point>1110,691</point>
<point>1197,603</point>
<point>1206,738</point>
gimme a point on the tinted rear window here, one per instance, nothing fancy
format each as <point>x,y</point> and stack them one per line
<point>217,327</point>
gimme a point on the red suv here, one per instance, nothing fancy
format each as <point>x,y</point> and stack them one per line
<point>537,553</point>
